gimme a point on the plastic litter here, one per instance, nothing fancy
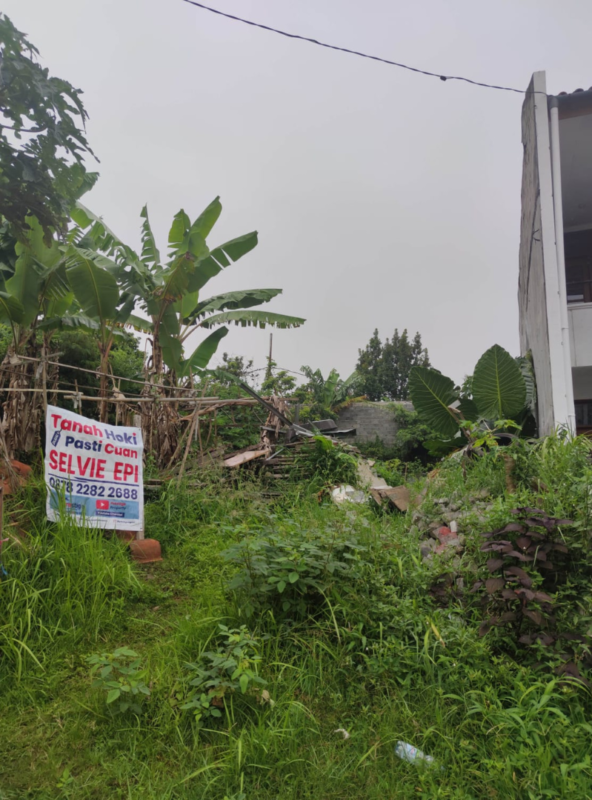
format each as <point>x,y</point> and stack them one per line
<point>346,493</point>
<point>407,752</point>
<point>343,732</point>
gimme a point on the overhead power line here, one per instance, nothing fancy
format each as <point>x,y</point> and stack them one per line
<point>357,53</point>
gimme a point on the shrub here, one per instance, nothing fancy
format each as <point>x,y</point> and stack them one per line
<point>220,673</point>
<point>292,574</point>
<point>332,464</point>
<point>121,676</point>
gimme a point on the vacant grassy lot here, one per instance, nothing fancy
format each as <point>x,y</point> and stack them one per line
<point>340,628</point>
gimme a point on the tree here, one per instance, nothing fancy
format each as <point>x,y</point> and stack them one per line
<point>237,366</point>
<point>42,140</point>
<point>399,356</point>
<point>384,368</point>
<point>277,382</point>
<point>369,368</point>
<point>168,292</point>
<point>331,391</point>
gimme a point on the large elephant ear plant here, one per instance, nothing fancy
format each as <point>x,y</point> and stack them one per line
<point>499,392</point>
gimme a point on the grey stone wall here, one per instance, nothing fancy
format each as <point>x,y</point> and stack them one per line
<point>371,420</point>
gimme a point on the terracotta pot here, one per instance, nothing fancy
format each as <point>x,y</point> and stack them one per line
<point>23,471</point>
<point>144,551</point>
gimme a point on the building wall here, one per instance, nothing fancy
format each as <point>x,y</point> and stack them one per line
<point>371,420</point>
<point>538,293</point>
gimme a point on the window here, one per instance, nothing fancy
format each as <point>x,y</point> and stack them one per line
<point>583,414</point>
<point>578,266</point>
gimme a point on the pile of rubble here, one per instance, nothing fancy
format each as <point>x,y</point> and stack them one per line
<point>442,531</point>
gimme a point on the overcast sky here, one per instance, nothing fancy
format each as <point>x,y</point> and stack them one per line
<point>383,199</point>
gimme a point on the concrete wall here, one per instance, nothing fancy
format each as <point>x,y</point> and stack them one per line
<point>371,420</point>
<point>538,287</point>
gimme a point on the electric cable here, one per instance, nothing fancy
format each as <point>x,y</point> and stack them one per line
<point>360,54</point>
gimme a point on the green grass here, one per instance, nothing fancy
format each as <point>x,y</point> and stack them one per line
<point>373,655</point>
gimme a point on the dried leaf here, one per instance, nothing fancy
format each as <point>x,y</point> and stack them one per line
<point>494,584</point>
<point>525,639</point>
<point>477,585</point>
<point>494,563</point>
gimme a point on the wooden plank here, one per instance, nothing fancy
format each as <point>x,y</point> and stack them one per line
<point>243,458</point>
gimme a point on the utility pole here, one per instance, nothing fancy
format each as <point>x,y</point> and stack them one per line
<point>268,372</point>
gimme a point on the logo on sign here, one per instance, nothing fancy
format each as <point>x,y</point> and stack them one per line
<point>102,505</point>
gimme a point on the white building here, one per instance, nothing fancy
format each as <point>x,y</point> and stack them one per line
<point>555,283</point>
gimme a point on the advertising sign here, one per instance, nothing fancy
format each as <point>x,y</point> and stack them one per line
<point>94,469</point>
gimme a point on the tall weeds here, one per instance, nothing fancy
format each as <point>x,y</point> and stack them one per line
<point>64,583</point>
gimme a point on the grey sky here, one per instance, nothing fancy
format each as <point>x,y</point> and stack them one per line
<point>382,198</point>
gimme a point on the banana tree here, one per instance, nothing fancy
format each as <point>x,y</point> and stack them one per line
<point>332,391</point>
<point>94,282</point>
<point>170,293</point>
<point>499,394</point>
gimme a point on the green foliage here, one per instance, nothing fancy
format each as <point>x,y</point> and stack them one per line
<point>120,676</point>
<point>432,395</point>
<point>236,426</point>
<point>169,293</point>
<point>42,140</point>
<point>126,361</point>
<point>498,397</point>
<point>292,575</point>
<point>384,369</point>
<point>332,464</point>
<point>392,470</point>
<point>323,397</point>
<point>499,389</point>
<point>277,382</point>
<point>229,669</point>
<point>65,583</point>
<point>5,340</point>
<point>376,656</point>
